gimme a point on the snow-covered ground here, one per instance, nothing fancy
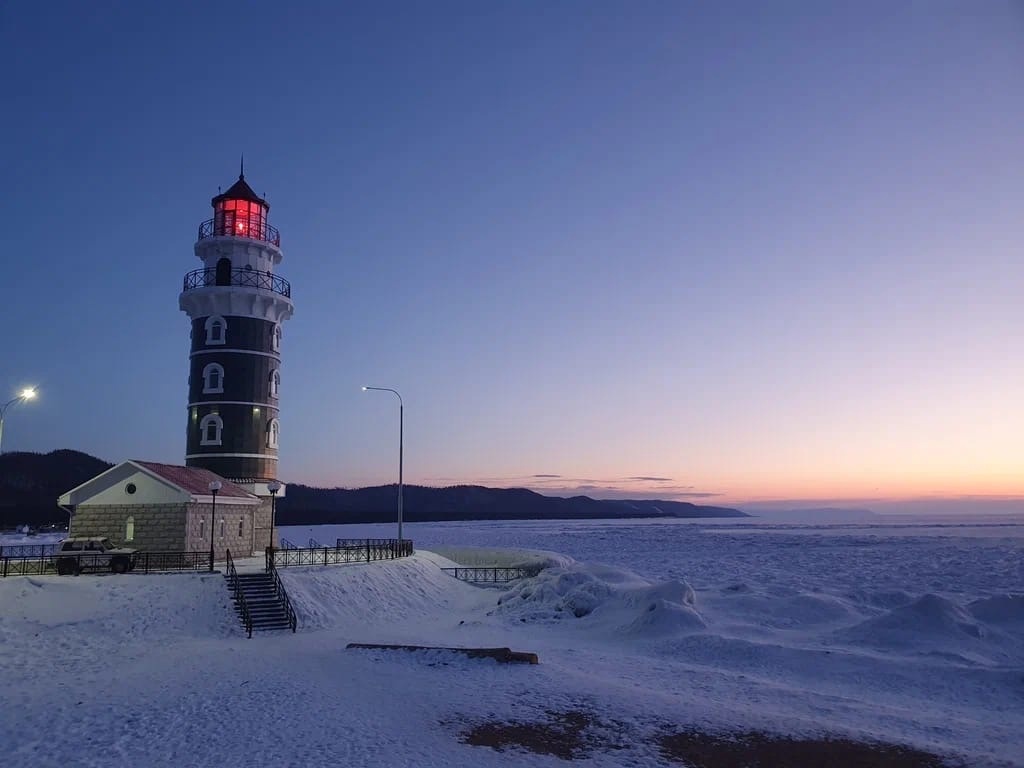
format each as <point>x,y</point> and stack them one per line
<point>650,627</point>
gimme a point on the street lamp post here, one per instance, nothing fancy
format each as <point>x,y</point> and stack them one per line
<point>401,408</point>
<point>273,486</point>
<point>215,485</point>
<point>26,394</point>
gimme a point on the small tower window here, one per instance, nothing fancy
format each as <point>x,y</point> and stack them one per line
<point>210,429</point>
<point>222,528</point>
<point>275,338</point>
<point>129,529</point>
<point>216,330</point>
<point>213,379</point>
<point>202,528</point>
<point>272,432</point>
<point>275,382</point>
<point>240,521</point>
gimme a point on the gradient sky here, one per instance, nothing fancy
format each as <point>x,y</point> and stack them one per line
<point>724,251</point>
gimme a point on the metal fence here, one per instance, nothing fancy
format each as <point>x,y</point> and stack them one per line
<point>29,550</point>
<point>82,562</point>
<point>493,575</point>
<point>345,551</point>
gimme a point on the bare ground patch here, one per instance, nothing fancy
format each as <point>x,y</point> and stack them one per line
<point>763,750</point>
<point>570,735</point>
<point>577,734</point>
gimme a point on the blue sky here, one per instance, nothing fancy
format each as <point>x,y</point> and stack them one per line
<point>754,250</point>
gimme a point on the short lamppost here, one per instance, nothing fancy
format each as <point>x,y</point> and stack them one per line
<point>401,408</point>
<point>214,486</point>
<point>26,394</point>
<point>273,486</point>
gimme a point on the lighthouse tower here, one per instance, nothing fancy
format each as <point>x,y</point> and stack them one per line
<point>237,303</point>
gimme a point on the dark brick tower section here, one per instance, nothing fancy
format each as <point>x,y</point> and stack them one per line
<point>237,304</point>
<point>247,405</point>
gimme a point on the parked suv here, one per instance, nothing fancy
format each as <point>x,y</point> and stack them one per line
<point>92,553</point>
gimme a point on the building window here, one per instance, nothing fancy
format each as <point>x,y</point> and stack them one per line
<point>213,379</point>
<point>129,529</point>
<point>210,429</point>
<point>275,382</point>
<point>216,330</point>
<point>240,522</point>
<point>202,529</point>
<point>272,433</point>
<point>222,528</point>
<point>275,338</point>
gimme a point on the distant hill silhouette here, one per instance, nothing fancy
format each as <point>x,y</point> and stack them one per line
<point>303,505</point>
<point>31,482</point>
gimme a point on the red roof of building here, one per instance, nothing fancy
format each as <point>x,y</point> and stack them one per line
<point>195,480</point>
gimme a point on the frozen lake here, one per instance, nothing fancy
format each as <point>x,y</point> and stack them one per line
<point>905,634</point>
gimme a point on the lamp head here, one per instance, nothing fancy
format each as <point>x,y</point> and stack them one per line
<point>214,486</point>
<point>28,393</point>
<point>365,388</point>
<point>273,486</point>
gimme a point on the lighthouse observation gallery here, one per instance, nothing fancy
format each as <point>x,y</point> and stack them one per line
<point>236,303</point>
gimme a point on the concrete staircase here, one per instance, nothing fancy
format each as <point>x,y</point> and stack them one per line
<point>266,608</point>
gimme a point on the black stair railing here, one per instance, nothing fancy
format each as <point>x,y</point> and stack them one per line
<point>238,594</point>
<point>279,591</point>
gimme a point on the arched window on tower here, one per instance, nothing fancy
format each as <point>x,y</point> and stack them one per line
<point>275,338</point>
<point>273,428</point>
<point>213,379</point>
<point>223,275</point>
<point>210,429</point>
<point>275,382</point>
<point>216,329</point>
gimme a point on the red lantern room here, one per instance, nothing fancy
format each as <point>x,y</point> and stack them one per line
<point>240,212</point>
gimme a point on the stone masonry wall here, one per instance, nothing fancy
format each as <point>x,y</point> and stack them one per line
<point>157,527</point>
<point>233,529</point>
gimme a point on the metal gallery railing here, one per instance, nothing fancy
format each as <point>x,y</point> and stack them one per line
<point>345,551</point>
<point>253,227</point>
<point>237,593</point>
<point>244,278</point>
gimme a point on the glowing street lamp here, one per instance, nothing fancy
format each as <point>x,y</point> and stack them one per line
<point>273,486</point>
<point>28,393</point>
<point>401,407</point>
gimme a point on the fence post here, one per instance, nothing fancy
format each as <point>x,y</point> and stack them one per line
<point>367,550</point>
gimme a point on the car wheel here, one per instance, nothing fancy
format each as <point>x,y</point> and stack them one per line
<point>119,565</point>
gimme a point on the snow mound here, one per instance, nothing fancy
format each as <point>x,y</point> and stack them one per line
<point>357,595</point>
<point>935,626</point>
<point>97,610</point>
<point>605,598</point>
<point>742,607</point>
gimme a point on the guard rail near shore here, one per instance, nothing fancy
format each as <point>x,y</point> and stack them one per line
<point>345,551</point>
<point>493,575</point>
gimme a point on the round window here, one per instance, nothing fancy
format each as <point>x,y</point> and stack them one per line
<point>130,488</point>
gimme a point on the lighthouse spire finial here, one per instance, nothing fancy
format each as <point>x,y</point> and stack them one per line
<point>241,167</point>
